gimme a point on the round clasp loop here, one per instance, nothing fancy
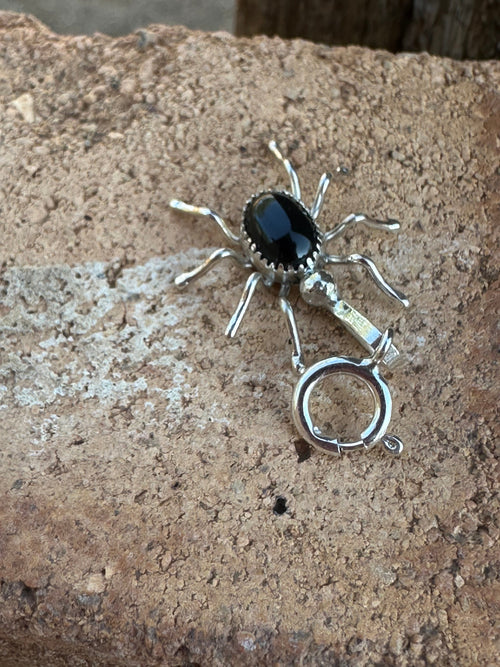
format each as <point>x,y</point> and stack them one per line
<point>365,370</point>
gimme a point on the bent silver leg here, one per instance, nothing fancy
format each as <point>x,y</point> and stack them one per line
<point>324,182</point>
<point>222,253</point>
<point>294,179</point>
<point>206,213</point>
<point>241,309</point>
<point>360,218</point>
<point>297,356</point>
<point>370,266</point>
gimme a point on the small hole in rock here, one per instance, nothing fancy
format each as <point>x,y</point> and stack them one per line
<point>280,505</point>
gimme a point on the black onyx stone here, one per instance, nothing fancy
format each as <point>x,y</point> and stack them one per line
<point>281,228</point>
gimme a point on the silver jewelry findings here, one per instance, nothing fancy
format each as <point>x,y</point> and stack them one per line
<point>280,242</point>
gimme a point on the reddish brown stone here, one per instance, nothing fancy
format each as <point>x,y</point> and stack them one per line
<point>142,452</point>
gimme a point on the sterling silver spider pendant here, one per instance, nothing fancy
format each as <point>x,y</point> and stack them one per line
<point>280,242</point>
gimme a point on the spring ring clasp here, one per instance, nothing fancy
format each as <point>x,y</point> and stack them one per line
<point>367,371</point>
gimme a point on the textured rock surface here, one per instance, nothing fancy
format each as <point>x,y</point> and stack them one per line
<point>142,453</point>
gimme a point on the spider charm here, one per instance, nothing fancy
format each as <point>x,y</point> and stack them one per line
<point>281,242</point>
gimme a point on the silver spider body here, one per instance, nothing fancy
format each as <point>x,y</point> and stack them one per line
<point>317,287</point>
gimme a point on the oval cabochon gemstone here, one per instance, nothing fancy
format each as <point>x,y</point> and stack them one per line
<point>281,228</point>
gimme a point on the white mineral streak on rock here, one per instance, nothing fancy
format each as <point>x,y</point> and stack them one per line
<point>90,340</point>
<point>44,432</point>
<point>26,107</point>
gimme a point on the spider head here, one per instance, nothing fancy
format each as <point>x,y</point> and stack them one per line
<point>279,236</point>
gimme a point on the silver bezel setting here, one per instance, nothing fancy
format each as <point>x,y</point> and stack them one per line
<point>277,272</point>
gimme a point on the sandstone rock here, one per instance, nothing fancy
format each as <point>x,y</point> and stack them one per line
<point>143,453</point>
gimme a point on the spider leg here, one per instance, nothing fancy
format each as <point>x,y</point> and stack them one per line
<point>185,278</point>
<point>369,265</point>
<point>241,309</point>
<point>297,356</point>
<point>360,218</point>
<point>324,182</point>
<point>294,179</point>
<point>207,213</point>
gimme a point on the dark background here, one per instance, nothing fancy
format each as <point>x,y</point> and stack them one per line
<point>460,29</point>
